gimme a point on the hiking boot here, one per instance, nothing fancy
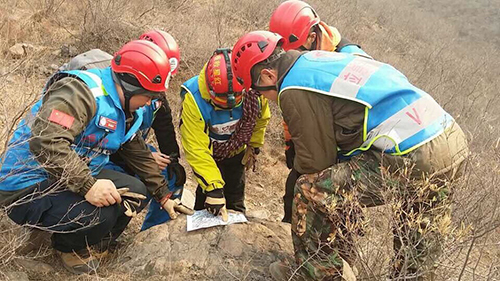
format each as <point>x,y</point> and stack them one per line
<point>282,272</point>
<point>99,254</point>
<point>80,262</point>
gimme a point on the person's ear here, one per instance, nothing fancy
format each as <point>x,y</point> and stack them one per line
<point>269,76</point>
<point>311,37</point>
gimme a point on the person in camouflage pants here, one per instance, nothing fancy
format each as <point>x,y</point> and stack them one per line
<point>407,147</point>
<point>327,215</point>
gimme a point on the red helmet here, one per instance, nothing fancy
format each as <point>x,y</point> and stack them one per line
<point>225,91</point>
<point>251,49</point>
<point>293,19</point>
<point>167,43</point>
<point>146,62</point>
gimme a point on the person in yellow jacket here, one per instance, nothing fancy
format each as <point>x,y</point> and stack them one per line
<point>222,129</point>
<point>301,28</point>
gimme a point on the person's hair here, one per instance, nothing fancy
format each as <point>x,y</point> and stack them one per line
<point>270,63</point>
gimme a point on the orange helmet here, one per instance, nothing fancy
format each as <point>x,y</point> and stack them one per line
<point>225,91</point>
<point>293,19</point>
<point>167,43</point>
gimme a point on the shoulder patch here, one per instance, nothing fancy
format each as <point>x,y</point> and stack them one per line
<point>61,118</point>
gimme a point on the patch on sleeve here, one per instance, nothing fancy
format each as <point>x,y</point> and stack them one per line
<point>61,118</point>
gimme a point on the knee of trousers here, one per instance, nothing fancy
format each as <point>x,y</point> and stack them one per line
<point>137,186</point>
<point>109,215</point>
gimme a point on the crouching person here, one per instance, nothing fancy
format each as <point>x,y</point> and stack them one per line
<point>361,131</point>
<point>52,174</point>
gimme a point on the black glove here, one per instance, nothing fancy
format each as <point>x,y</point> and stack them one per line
<point>175,168</point>
<point>289,154</point>
<point>216,203</point>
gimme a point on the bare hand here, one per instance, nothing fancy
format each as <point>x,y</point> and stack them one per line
<point>161,159</point>
<point>103,193</point>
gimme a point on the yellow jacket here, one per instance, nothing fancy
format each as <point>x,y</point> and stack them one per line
<point>195,132</point>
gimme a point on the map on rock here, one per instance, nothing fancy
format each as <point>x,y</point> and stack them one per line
<point>203,219</point>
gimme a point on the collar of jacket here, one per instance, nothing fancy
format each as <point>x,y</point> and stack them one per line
<point>285,63</point>
<point>202,84</point>
<point>110,87</point>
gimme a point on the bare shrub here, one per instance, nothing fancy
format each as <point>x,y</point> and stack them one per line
<point>460,73</point>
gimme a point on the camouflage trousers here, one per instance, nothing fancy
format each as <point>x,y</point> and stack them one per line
<point>328,217</point>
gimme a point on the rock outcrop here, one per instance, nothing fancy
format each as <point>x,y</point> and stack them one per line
<point>238,251</point>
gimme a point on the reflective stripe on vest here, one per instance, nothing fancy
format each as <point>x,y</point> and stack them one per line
<point>398,118</point>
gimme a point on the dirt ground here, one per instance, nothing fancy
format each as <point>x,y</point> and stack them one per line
<point>448,48</point>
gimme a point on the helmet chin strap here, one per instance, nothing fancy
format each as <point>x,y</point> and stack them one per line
<point>265,88</point>
<point>127,94</point>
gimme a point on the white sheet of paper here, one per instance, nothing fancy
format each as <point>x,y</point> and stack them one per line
<point>203,219</point>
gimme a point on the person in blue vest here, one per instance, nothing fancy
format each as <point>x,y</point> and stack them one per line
<point>222,130</point>
<point>302,29</point>
<point>157,116</point>
<point>361,131</point>
<point>52,174</point>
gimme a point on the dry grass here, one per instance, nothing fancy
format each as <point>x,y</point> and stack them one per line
<point>457,67</point>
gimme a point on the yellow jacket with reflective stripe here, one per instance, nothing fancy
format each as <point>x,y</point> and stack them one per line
<point>197,143</point>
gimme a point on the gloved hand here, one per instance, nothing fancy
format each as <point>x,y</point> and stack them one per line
<point>174,206</point>
<point>289,153</point>
<point>131,201</point>
<point>216,203</point>
<point>175,168</point>
<point>250,158</point>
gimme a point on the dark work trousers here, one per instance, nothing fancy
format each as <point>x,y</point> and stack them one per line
<point>288,197</point>
<point>233,174</point>
<point>74,222</point>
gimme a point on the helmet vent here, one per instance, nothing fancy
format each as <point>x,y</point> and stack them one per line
<point>118,58</point>
<point>292,38</point>
<point>262,45</point>
<point>157,79</point>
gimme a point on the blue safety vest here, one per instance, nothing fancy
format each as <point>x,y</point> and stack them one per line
<point>221,124</point>
<point>399,117</point>
<point>103,136</point>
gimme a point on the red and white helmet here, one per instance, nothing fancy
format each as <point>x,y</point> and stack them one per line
<point>168,44</point>
<point>251,49</point>
<point>141,68</point>
<point>146,62</point>
<point>293,20</point>
<point>225,91</point>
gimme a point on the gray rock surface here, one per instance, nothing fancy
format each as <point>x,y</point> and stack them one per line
<point>238,251</point>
